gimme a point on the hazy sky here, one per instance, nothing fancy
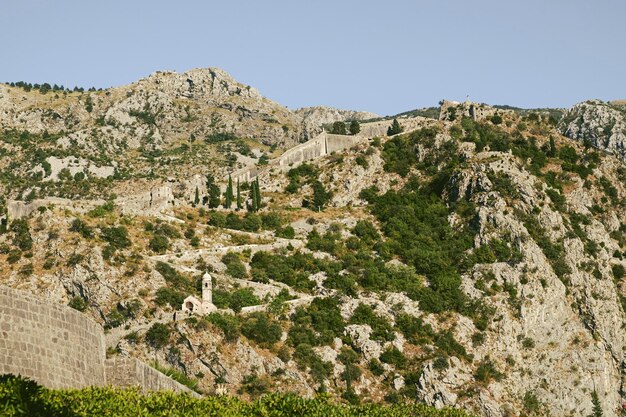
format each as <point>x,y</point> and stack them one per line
<point>384,56</point>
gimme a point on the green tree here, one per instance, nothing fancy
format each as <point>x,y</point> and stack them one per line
<point>239,204</point>
<point>259,199</point>
<point>321,197</point>
<point>597,407</point>
<point>339,128</point>
<point>252,206</point>
<point>228,195</point>
<point>159,243</point>
<point>158,335</point>
<point>213,199</point>
<point>355,127</point>
<point>196,198</point>
<point>395,128</point>
<point>552,150</point>
<point>255,196</point>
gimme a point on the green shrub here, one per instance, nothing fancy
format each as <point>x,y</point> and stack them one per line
<point>487,372</point>
<point>234,267</point>
<point>235,300</point>
<point>158,335</point>
<point>394,357</point>
<point>261,328</point>
<point>255,385</point>
<point>22,238</point>
<point>117,237</point>
<point>228,323</point>
<point>166,295</point>
<point>102,210</point>
<point>78,303</point>
<point>79,226</point>
<point>159,243</point>
<point>306,357</point>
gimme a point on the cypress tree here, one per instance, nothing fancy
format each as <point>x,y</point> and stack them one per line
<point>252,207</point>
<point>228,195</point>
<point>214,192</point>
<point>597,407</point>
<point>238,196</point>
<point>257,194</point>
<point>196,198</point>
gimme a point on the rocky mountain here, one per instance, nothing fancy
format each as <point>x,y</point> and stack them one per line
<point>108,140</point>
<point>598,124</point>
<point>474,261</point>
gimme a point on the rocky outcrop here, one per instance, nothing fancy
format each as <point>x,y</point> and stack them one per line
<point>598,124</point>
<point>312,118</point>
<point>455,111</point>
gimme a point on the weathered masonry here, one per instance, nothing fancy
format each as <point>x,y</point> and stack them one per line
<point>60,347</point>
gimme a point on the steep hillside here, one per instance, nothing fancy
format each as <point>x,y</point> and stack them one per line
<point>475,261</point>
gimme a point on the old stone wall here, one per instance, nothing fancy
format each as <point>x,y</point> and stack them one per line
<point>55,345</point>
<point>336,143</point>
<point>17,209</point>
<point>313,149</point>
<point>60,347</point>
<point>130,372</point>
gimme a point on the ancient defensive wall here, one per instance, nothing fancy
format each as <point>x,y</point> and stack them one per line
<point>60,347</point>
<point>325,144</point>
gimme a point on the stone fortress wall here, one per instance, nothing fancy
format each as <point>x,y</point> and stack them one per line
<point>60,347</point>
<point>325,144</point>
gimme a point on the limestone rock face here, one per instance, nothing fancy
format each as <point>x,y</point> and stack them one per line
<point>312,118</point>
<point>600,124</point>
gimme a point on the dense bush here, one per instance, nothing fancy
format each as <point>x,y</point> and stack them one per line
<point>22,238</point>
<point>261,328</point>
<point>79,226</point>
<point>102,210</point>
<point>293,270</point>
<point>159,243</point>
<point>117,237</point>
<point>171,275</point>
<point>173,297</point>
<point>234,267</point>
<point>23,398</point>
<point>317,324</point>
<point>158,335</point>
<point>306,357</point>
<point>228,323</point>
<point>235,300</point>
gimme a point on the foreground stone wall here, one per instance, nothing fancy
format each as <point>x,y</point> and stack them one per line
<point>50,343</point>
<point>60,347</point>
<point>130,372</point>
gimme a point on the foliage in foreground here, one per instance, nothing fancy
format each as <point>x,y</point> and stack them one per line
<point>22,397</point>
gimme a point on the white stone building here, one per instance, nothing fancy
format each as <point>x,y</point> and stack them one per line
<point>204,306</point>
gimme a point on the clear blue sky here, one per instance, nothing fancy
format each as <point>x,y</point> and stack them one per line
<point>385,56</point>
